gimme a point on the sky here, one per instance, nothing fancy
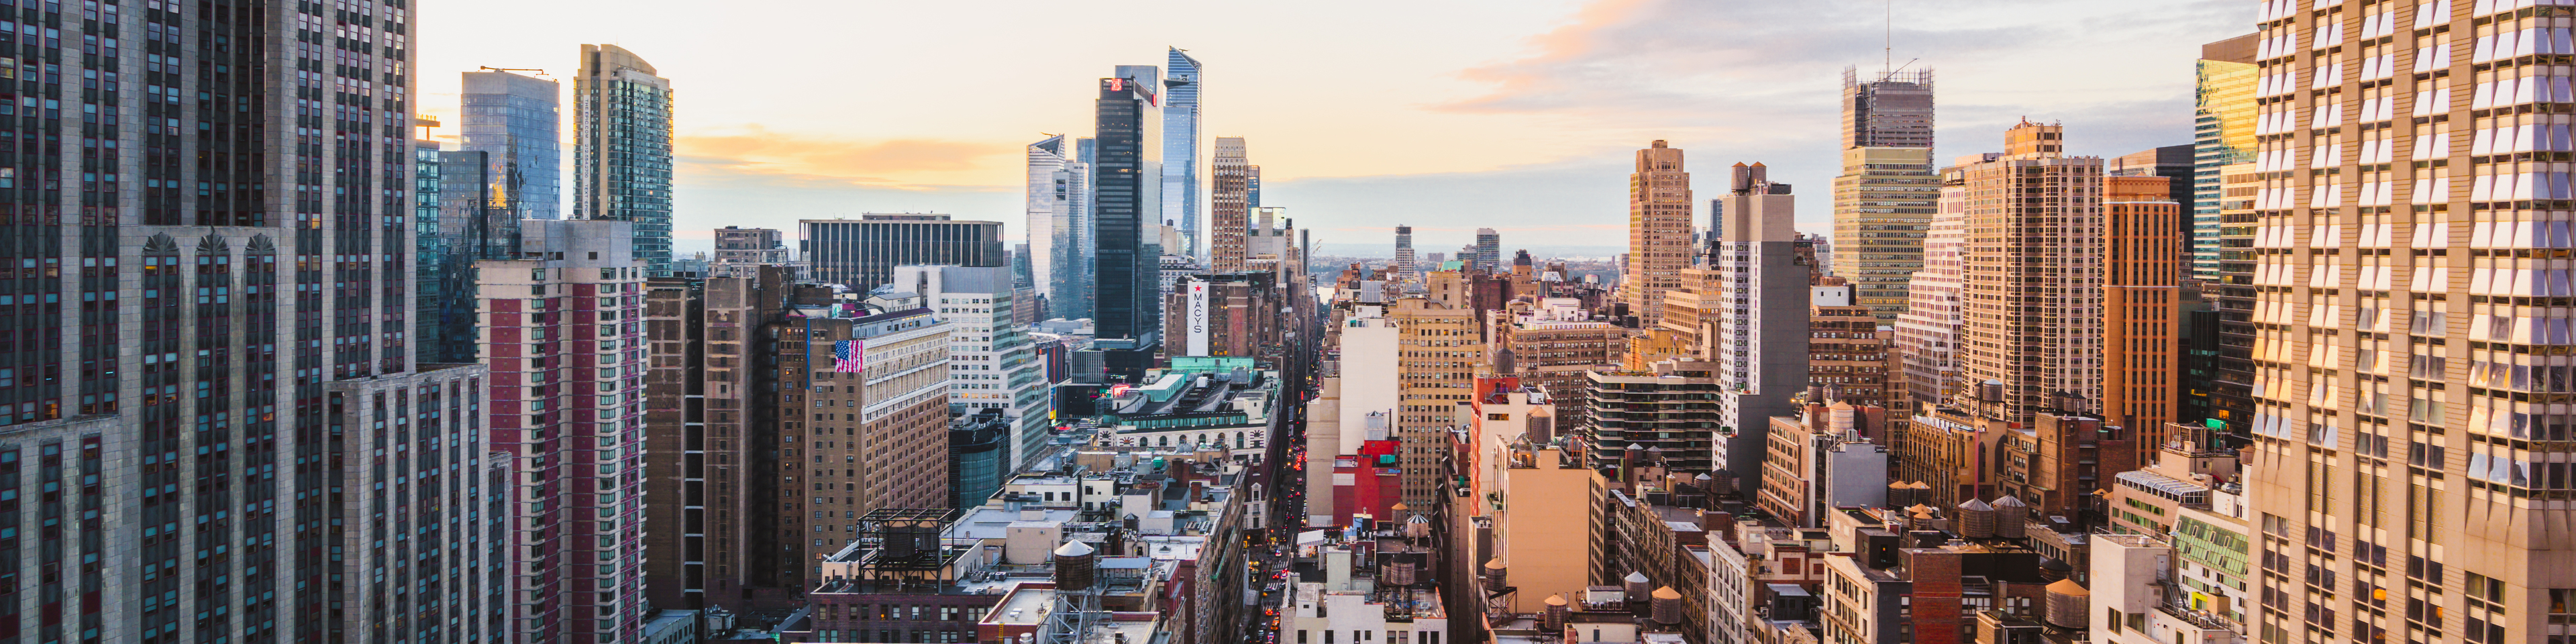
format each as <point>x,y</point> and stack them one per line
<point>1448,115</point>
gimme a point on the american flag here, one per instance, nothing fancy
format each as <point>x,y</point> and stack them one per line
<point>848,356</point>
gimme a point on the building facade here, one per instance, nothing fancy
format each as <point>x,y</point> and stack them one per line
<point>993,363</point>
<point>1884,198</point>
<point>622,148</point>
<point>862,253</point>
<point>2434,222</point>
<point>2224,184</point>
<point>1127,270</point>
<point>516,120</point>
<point>2028,345</point>
<point>1180,180</point>
<point>1846,353</point>
<point>1760,348</point>
<point>2141,305</point>
<point>1439,349</point>
<point>1927,334</point>
<point>741,251</point>
<point>1229,206</point>
<point>563,337</point>
<point>1049,210</point>
<point>1659,230</point>
<point>1489,250</point>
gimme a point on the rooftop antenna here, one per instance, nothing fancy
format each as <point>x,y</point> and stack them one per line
<point>1887,55</point>
<point>489,68</point>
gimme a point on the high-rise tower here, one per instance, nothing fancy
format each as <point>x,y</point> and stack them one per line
<point>515,119</point>
<point>1760,344</point>
<point>2222,235</point>
<point>205,321</point>
<point>2029,345</point>
<point>1489,250</point>
<point>1883,200</point>
<point>1403,252</point>
<point>2411,420</point>
<point>1046,207</point>
<point>1127,312</point>
<point>622,148</point>
<point>2141,297</point>
<point>1180,180</point>
<point>1659,231</point>
<point>1230,206</point>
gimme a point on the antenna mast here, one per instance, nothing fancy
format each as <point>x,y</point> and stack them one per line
<point>1887,62</point>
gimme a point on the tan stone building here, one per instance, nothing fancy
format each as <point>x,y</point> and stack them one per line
<point>1845,350</point>
<point>1437,355</point>
<point>1659,230</point>
<point>1884,198</point>
<point>1551,345</point>
<point>2030,336</point>
<point>2411,286</point>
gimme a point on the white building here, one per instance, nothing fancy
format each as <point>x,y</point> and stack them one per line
<point>1927,333</point>
<point>1344,608</point>
<point>2134,600</point>
<point>992,361</point>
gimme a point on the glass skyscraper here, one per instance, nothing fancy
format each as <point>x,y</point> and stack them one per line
<point>1181,150</point>
<point>1127,311</point>
<point>622,149</point>
<point>514,118</point>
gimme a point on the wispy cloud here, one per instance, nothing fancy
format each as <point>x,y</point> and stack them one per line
<point>823,161</point>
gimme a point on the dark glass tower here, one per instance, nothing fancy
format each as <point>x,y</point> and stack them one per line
<point>622,154</point>
<point>1127,313</point>
<point>862,253</point>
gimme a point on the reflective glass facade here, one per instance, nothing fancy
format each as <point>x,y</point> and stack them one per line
<point>622,149</point>
<point>515,118</point>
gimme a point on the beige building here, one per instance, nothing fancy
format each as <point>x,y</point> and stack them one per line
<point>2411,295</point>
<point>1846,352</point>
<point>1551,345</point>
<point>1438,353</point>
<point>2030,336</point>
<point>1659,230</point>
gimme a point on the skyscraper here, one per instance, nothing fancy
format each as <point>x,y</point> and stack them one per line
<point>1927,334</point>
<point>2436,222</point>
<point>211,367</point>
<point>862,253</point>
<point>1180,180</point>
<point>2222,233</point>
<point>1229,206</point>
<point>2141,289</point>
<point>992,362</point>
<point>622,149</point>
<point>1046,207</point>
<point>1760,346</point>
<point>1404,252</point>
<point>1883,200</point>
<point>1127,311</point>
<point>563,341</point>
<point>1489,250</point>
<point>2222,134</point>
<point>1073,261</point>
<point>1659,230</point>
<point>477,220</point>
<point>515,119</point>
<point>2029,345</point>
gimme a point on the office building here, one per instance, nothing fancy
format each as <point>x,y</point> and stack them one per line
<point>862,253</point>
<point>1440,349</point>
<point>1884,198</point>
<point>1819,460</point>
<point>2141,305</point>
<point>1846,351</point>
<point>1049,207</point>
<point>2026,345</point>
<point>1128,301</point>
<point>1404,269</point>
<point>1229,206</point>
<point>1180,177</point>
<point>564,342</point>
<point>429,283</point>
<point>622,148</point>
<point>516,120</point>
<point>741,251</point>
<point>992,361</point>
<point>1927,334</point>
<point>2225,181</point>
<point>1228,315</point>
<point>115,372</point>
<point>1549,346</point>
<point>2222,134</point>
<point>979,456</point>
<point>1760,348</point>
<point>1659,228</point>
<point>2435,224</point>
<point>1489,250</point>
<point>1658,409</point>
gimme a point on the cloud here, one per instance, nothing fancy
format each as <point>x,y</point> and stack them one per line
<point>822,161</point>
